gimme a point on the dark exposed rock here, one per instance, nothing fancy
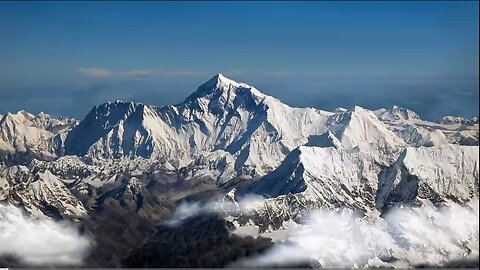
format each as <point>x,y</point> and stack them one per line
<point>199,241</point>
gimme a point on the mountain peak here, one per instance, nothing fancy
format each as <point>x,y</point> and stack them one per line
<point>220,85</point>
<point>19,116</point>
<point>402,113</point>
<point>218,81</point>
<point>220,76</point>
<point>357,108</point>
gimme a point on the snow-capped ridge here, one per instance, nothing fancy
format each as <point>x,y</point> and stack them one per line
<point>225,88</point>
<point>417,132</point>
<point>113,129</point>
<point>41,134</point>
<point>451,120</point>
<point>361,128</point>
<point>323,176</point>
<point>437,174</point>
<point>435,137</point>
<point>397,113</point>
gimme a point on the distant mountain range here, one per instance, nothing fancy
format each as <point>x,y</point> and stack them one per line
<point>135,162</point>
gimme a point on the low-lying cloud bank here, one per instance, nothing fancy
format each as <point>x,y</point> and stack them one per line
<point>40,242</point>
<point>404,237</point>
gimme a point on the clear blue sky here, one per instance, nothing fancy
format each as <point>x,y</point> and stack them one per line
<point>63,58</point>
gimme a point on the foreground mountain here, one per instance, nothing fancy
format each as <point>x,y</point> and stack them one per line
<point>335,177</point>
<point>445,173</point>
<point>135,164</point>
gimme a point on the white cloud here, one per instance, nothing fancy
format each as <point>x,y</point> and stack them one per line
<point>40,242</point>
<point>410,235</point>
<point>187,209</point>
<point>95,72</point>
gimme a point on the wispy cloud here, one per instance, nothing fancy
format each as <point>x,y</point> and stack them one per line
<point>135,74</point>
<point>94,72</point>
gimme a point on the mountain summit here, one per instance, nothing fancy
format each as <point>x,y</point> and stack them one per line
<point>222,117</point>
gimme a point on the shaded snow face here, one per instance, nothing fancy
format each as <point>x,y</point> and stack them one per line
<point>404,237</point>
<point>40,242</point>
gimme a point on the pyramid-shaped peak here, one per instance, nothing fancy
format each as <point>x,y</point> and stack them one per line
<point>357,108</point>
<point>403,113</point>
<point>220,76</point>
<point>19,116</point>
<point>220,80</point>
<point>219,84</point>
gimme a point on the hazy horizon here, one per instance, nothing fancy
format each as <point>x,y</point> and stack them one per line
<point>64,58</point>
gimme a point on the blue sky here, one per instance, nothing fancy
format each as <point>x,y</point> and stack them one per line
<point>63,58</point>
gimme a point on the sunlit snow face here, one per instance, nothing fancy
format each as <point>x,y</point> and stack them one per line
<point>40,242</point>
<point>405,237</point>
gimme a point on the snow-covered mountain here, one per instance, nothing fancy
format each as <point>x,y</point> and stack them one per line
<point>40,193</point>
<point>449,120</point>
<point>223,130</point>
<point>41,135</point>
<point>330,176</point>
<point>133,163</point>
<point>439,174</point>
<point>232,118</point>
<point>325,176</point>
<point>417,132</point>
<point>360,129</point>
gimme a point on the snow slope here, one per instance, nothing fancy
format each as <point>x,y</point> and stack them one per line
<point>440,173</point>
<point>330,176</point>
<point>326,176</point>
<point>40,193</point>
<point>360,128</point>
<point>41,134</point>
